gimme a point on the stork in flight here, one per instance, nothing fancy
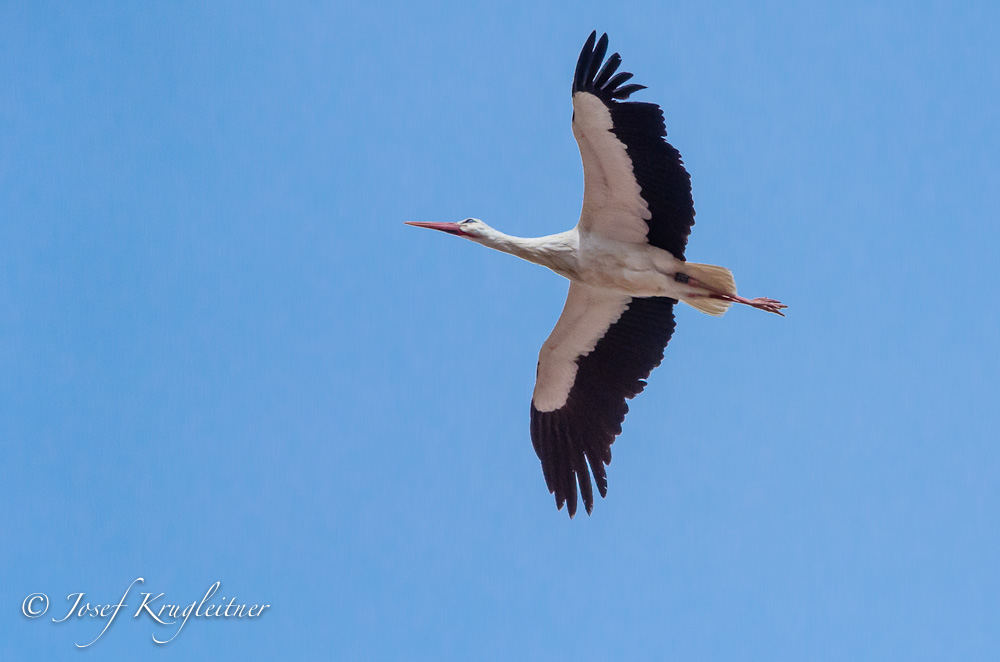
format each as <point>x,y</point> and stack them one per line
<point>625,263</point>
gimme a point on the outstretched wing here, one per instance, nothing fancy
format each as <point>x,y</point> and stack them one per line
<point>636,187</point>
<point>597,356</point>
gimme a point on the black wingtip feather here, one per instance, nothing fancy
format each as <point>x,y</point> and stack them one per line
<point>583,478</point>
<point>615,82</point>
<point>608,70</point>
<point>583,63</point>
<point>591,76</point>
<point>600,50</point>
<point>623,93</point>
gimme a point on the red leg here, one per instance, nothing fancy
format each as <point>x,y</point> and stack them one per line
<point>761,303</point>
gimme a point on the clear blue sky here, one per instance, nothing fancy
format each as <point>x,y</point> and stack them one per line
<point>224,358</point>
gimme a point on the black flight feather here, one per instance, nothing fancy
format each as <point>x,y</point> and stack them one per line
<point>657,166</point>
<point>580,433</point>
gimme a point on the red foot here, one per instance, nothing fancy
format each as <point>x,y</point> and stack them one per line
<point>763,303</point>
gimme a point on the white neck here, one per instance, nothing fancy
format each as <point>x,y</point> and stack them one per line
<point>555,251</point>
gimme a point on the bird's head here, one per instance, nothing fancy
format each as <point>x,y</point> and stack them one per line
<point>470,228</point>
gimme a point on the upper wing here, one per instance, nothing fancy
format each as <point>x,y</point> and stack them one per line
<point>600,351</point>
<point>636,187</point>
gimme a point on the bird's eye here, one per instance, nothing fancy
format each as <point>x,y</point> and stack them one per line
<point>467,221</point>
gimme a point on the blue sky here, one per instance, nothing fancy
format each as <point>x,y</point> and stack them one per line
<point>224,358</point>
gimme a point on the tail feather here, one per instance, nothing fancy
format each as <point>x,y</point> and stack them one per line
<point>716,277</point>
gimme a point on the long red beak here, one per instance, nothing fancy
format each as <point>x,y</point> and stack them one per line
<point>450,228</point>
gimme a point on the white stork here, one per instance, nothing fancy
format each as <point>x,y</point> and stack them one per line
<point>625,263</point>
